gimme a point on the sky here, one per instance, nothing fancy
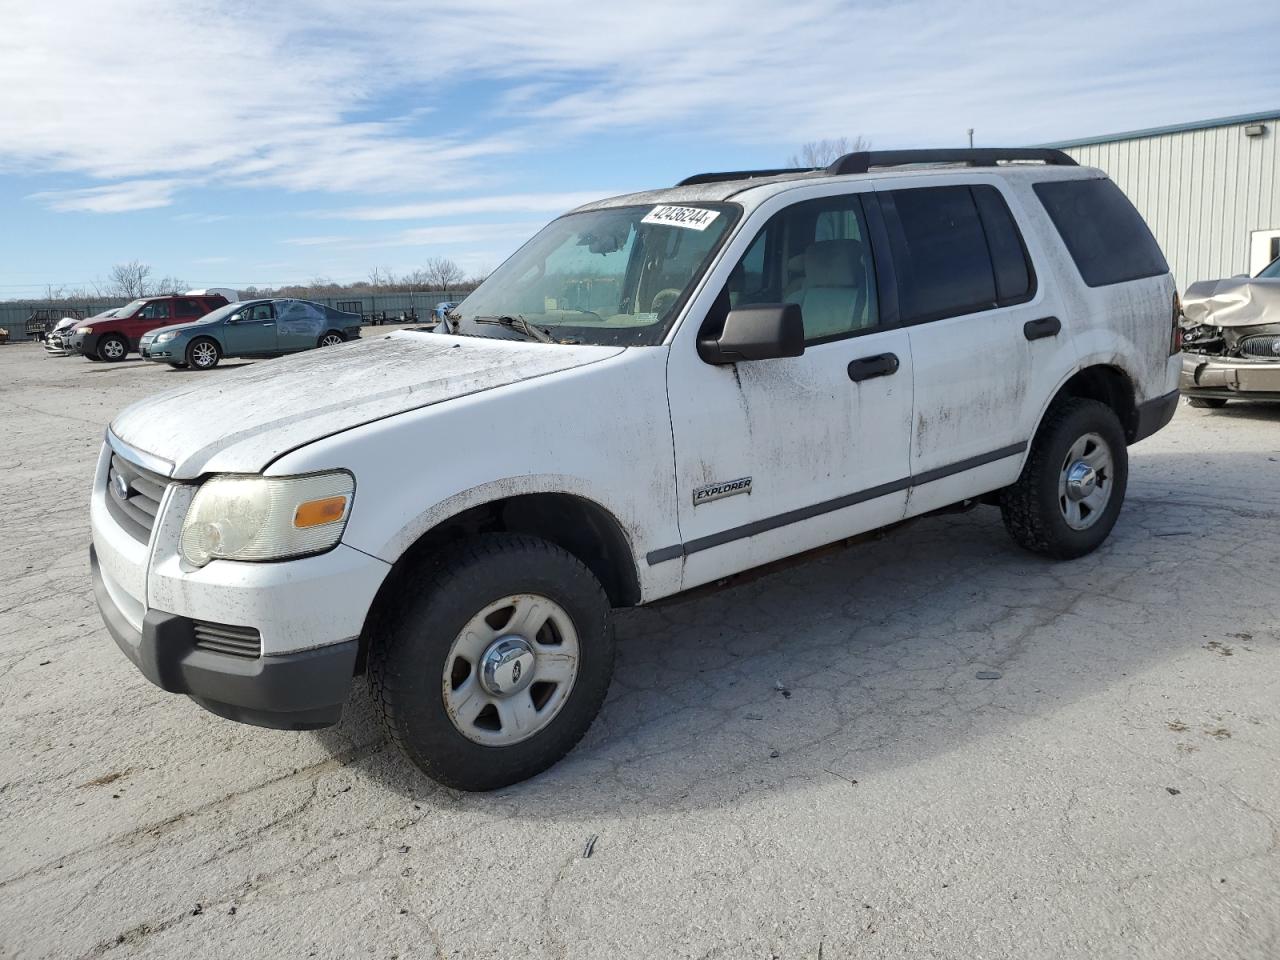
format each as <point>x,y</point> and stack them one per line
<point>232,143</point>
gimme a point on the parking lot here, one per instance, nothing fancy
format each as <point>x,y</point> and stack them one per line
<point>801,764</point>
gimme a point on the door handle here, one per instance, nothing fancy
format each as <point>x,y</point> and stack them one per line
<point>1044,327</point>
<point>881,365</point>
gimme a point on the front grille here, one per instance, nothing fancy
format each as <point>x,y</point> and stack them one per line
<point>243,642</point>
<point>135,509</point>
<point>1263,347</point>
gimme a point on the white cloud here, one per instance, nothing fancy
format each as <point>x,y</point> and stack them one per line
<point>114,198</point>
<point>313,241</point>
<point>506,203</point>
<point>155,96</point>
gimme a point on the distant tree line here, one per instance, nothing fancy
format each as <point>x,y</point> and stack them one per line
<point>129,281</point>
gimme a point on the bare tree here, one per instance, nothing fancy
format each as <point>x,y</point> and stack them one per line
<point>820,153</point>
<point>441,273</point>
<point>129,280</point>
<point>165,285</point>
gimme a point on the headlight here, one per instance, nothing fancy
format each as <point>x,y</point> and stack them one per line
<point>266,518</point>
<point>86,330</point>
<point>164,337</point>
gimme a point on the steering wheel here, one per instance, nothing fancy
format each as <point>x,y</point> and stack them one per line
<point>664,300</point>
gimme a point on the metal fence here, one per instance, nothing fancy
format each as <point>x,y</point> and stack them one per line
<point>14,314</point>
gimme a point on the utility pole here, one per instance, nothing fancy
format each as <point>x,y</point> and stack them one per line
<point>971,138</point>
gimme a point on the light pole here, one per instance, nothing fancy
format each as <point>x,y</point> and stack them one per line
<point>971,138</point>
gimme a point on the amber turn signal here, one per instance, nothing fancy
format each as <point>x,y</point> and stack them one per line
<point>315,513</point>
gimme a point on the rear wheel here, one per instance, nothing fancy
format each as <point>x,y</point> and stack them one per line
<point>203,354</point>
<point>1072,486</point>
<point>112,348</point>
<point>1206,403</point>
<point>331,339</point>
<point>493,666</point>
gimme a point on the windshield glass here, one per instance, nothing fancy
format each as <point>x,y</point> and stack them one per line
<point>129,309</point>
<point>613,276</point>
<point>1271,271</point>
<point>213,316</point>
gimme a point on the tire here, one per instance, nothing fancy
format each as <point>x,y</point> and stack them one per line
<point>1044,511</point>
<point>1206,403</point>
<point>177,366</point>
<point>330,339</point>
<point>434,619</point>
<point>203,354</point>
<point>113,349</point>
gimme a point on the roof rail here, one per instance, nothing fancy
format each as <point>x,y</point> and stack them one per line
<point>864,160</point>
<point>741,175</point>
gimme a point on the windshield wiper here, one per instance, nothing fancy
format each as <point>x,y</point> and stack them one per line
<point>520,325</point>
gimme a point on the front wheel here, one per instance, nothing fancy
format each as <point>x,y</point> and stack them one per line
<point>1069,493</point>
<point>494,665</point>
<point>112,349</point>
<point>203,354</point>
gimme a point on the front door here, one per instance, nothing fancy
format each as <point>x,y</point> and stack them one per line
<point>253,333</point>
<point>774,457</point>
<point>986,338</point>
<point>155,314</point>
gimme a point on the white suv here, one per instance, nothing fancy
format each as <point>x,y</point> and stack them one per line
<point>655,392</point>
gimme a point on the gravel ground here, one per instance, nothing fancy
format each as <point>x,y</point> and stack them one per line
<point>804,764</point>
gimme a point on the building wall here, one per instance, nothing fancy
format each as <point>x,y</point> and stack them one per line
<point>1202,192</point>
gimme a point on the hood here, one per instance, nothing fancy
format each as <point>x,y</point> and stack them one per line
<point>172,328</point>
<point>243,420</point>
<point>1238,302</point>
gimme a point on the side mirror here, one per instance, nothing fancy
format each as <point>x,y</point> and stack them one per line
<point>758,332</point>
<point>235,318</point>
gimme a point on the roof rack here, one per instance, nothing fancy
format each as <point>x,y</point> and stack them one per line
<point>864,160</point>
<point>741,175</point>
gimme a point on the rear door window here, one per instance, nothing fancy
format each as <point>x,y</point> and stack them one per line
<point>940,253</point>
<point>1106,237</point>
<point>187,308</point>
<point>1015,280</point>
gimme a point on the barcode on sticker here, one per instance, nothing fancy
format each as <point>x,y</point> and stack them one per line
<point>691,218</point>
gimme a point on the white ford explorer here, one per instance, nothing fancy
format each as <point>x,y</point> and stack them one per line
<point>655,392</point>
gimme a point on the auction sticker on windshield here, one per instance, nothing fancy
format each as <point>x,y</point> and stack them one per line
<point>691,218</point>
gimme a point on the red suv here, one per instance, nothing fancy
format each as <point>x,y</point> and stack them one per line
<point>113,339</point>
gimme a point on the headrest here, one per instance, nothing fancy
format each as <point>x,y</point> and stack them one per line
<point>832,263</point>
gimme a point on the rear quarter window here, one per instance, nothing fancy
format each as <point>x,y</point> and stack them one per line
<point>1106,237</point>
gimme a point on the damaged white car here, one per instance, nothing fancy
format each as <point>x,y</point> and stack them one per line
<point>656,392</point>
<point>1231,339</point>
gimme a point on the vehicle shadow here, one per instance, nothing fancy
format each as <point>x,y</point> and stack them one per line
<point>865,658</point>
<point>1247,410</point>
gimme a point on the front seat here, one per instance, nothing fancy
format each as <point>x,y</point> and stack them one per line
<point>834,297</point>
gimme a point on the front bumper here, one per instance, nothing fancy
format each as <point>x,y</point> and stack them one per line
<point>308,614</point>
<point>1229,378</point>
<point>85,344</point>
<point>294,691</point>
<point>163,352</point>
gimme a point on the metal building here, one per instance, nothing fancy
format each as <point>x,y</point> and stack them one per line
<point>1209,190</point>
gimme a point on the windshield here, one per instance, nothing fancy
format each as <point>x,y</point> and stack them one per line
<point>1271,271</point>
<point>613,276</point>
<point>129,309</point>
<point>213,316</point>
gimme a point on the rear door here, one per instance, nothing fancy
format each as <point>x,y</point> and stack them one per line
<point>299,324</point>
<point>985,336</point>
